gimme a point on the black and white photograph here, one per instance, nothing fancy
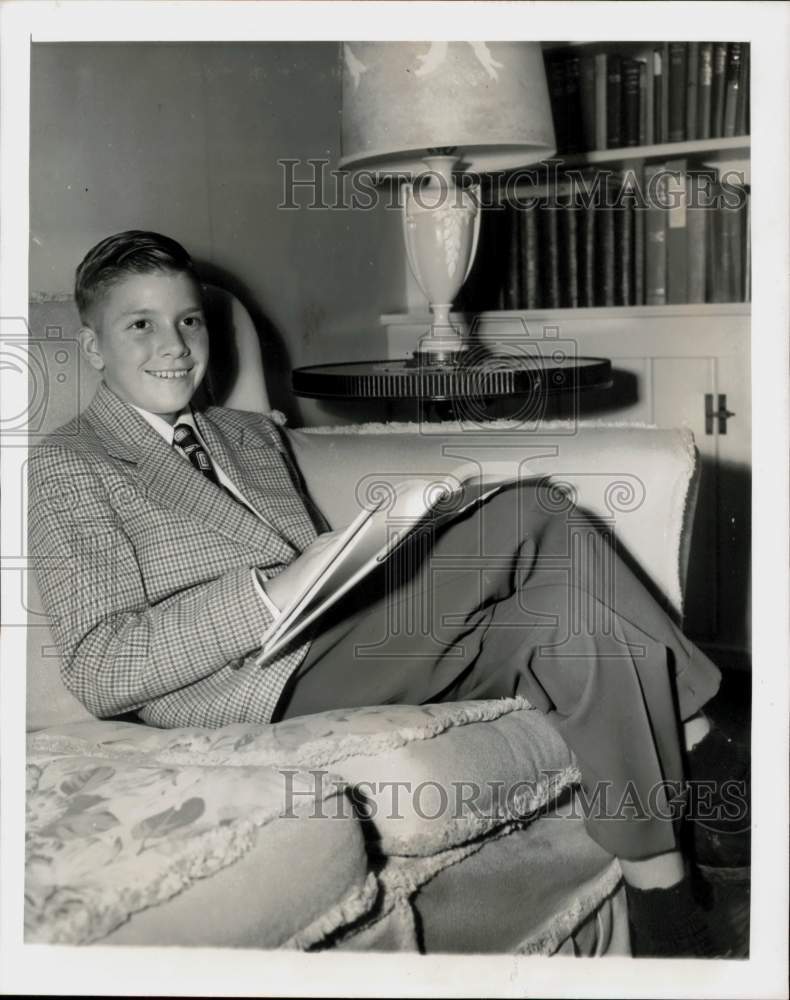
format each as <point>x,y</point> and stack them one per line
<point>395,498</point>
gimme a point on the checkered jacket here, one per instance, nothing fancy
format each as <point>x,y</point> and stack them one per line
<point>144,565</point>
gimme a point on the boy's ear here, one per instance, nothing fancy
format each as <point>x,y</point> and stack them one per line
<point>89,343</point>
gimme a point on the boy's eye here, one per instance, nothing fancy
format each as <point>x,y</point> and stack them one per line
<point>140,324</point>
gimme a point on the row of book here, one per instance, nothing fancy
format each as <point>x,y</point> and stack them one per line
<point>666,92</point>
<point>652,237</point>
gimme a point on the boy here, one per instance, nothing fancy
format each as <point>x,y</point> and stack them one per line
<point>169,536</point>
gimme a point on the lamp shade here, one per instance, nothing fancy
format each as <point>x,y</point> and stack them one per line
<point>489,100</point>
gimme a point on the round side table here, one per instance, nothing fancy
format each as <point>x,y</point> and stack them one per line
<point>452,386</point>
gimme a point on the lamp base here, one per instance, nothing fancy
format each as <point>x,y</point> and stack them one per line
<point>441,227</point>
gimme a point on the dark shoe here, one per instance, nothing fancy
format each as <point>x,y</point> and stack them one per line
<point>718,807</point>
<point>719,855</point>
<point>670,923</point>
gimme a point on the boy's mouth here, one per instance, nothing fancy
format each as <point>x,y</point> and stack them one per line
<point>170,374</point>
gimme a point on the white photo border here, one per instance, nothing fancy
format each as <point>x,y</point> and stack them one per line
<point>218,972</point>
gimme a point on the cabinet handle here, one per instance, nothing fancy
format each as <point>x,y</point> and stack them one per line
<point>722,414</point>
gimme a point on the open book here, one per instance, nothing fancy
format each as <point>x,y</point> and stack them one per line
<point>371,538</point>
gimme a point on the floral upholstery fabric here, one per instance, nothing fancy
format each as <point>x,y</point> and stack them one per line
<point>109,836</point>
<point>122,816</point>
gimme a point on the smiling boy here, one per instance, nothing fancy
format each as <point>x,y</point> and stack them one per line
<point>166,537</point>
<point>146,359</point>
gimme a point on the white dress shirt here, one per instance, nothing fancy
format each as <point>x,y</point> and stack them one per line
<point>167,431</point>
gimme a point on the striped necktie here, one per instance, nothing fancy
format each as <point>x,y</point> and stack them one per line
<point>184,436</point>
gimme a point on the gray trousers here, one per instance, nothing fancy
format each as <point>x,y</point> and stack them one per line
<point>516,598</point>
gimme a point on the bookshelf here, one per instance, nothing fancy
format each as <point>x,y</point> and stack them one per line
<point>704,151</point>
<point>678,231</point>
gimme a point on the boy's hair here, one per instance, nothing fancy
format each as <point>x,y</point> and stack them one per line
<point>132,252</point>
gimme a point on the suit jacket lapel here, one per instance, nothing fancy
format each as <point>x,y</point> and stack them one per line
<point>170,479</point>
<point>226,447</point>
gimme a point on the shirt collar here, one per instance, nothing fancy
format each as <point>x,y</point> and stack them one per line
<point>162,427</point>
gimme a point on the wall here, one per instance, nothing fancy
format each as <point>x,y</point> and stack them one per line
<point>185,139</point>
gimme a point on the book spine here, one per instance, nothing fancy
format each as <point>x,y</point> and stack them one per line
<point>718,90</point>
<point>736,223</point>
<point>677,233</point>
<point>642,103</point>
<point>570,254</point>
<point>588,96</point>
<point>601,82</point>
<point>606,257</point>
<point>630,102</point>
<point>732,85</point>
<point>587,251</point>
<point>573,109</point>
<point>696,187</point>
<point>727,236</point>
<point>655,236</point>
<point>614,117</point>
<point>650,112</point>
<point>531,255</point>
<point>692,84</point>
<point>514,263</point>
<point>624,235</point>
<point>658,96</point>
<point>704,89</point>
<point>639,248</point>
<point>551,257</point>
<point>677,92</point>
<point>748,92</point>
<point>741,114</point>
<point>712,291</point>
<point>556,81</point>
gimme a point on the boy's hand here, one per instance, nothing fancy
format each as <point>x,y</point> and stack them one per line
<point>284,587</point>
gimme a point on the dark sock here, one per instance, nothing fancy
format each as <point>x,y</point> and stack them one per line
<point>717,757</point>
<point>668,923</point>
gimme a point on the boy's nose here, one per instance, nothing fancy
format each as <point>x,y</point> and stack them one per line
<point>171,342</point>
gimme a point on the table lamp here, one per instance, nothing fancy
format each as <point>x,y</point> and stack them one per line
<point>435,115</point>
<point>427,113</point>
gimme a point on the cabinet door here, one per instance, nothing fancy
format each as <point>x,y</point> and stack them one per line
<point>733,473</point>
<point>717,597</point>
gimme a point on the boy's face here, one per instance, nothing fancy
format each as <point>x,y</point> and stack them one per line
<point>148,337</point>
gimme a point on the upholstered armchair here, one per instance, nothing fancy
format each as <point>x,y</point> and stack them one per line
<point>287,835</point>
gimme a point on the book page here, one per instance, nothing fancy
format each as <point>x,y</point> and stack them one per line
<point>370,539</point>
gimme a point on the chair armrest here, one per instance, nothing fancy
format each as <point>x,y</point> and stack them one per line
<point>634,479</point>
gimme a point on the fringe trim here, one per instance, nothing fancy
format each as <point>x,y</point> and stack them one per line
<point>313,753</point>
<point>547,939</point>
<point>680,513</point>
<point>448,426</point>
<point>408,939</point>
<point>524,807</point>
<point>402,877</point>
<point>354,905</point>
